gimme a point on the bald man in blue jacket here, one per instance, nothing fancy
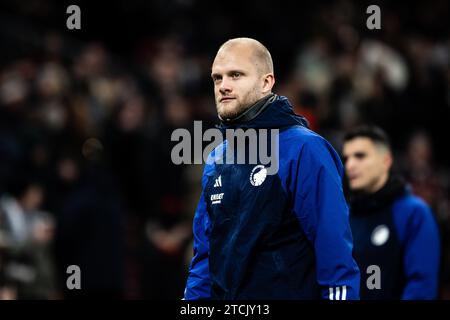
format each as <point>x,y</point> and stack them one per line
<point>269,236</point>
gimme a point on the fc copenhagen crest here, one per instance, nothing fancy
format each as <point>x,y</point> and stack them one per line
<point>258,175</point>
<point>380,235</point>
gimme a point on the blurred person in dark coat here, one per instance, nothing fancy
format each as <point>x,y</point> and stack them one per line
<point>392,228</point>
<point>90,231</point>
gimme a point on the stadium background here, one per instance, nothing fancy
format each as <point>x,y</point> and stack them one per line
<point>86,117</point>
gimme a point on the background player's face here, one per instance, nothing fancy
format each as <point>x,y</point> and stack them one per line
<point>237,82</point>
<point>366,164</point>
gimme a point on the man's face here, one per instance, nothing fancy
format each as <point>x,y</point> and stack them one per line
<point>366,164</point>
<point>237,82</point>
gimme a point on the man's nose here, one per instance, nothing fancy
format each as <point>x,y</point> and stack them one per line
<point>349,164</point>
<point>225,86</point>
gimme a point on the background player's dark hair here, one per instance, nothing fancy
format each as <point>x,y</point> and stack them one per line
<point>374,133</point>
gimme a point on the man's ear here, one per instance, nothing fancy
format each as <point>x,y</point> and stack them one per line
<point>388,161</point>
<point>268,82</point>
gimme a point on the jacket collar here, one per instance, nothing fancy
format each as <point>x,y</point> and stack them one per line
<point>252,112</point>
<point>363,203</point>
<point>272,111</point>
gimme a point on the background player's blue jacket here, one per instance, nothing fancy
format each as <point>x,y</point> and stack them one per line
<point>287,238</point>
<point>396,231</point>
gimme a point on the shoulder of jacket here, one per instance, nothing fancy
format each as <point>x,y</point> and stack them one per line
<point>411,202</point>
<point>301,136</point>
<point>410,207</point>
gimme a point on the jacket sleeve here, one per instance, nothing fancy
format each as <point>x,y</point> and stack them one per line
<point>198,282</point>
<point>420,239</point>
<point>322,210</point>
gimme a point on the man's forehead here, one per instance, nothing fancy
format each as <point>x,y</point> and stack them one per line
<point>235,55</point>
<point>359,144</point>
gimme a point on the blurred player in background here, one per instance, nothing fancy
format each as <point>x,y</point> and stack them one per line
<point>392,228</point>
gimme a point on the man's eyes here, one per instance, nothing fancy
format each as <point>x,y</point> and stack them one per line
<point>358,155</point>
<point>234,75</point>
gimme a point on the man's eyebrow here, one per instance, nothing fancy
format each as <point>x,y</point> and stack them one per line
<point>230,72</point>
<point>235,71</point>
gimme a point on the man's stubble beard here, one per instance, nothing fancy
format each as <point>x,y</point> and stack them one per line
<point>250,99</point>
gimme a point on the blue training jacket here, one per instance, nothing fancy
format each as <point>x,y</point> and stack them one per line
<point>396,231</point>
<point>280,236</point>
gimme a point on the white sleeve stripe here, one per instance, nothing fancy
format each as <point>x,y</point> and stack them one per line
<point>341,293</point>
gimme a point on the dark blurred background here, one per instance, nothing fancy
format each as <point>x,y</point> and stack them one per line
<point>86,116</point>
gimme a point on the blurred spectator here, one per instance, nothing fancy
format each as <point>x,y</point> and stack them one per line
<point>26,236</point>
<point>90,232</point>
